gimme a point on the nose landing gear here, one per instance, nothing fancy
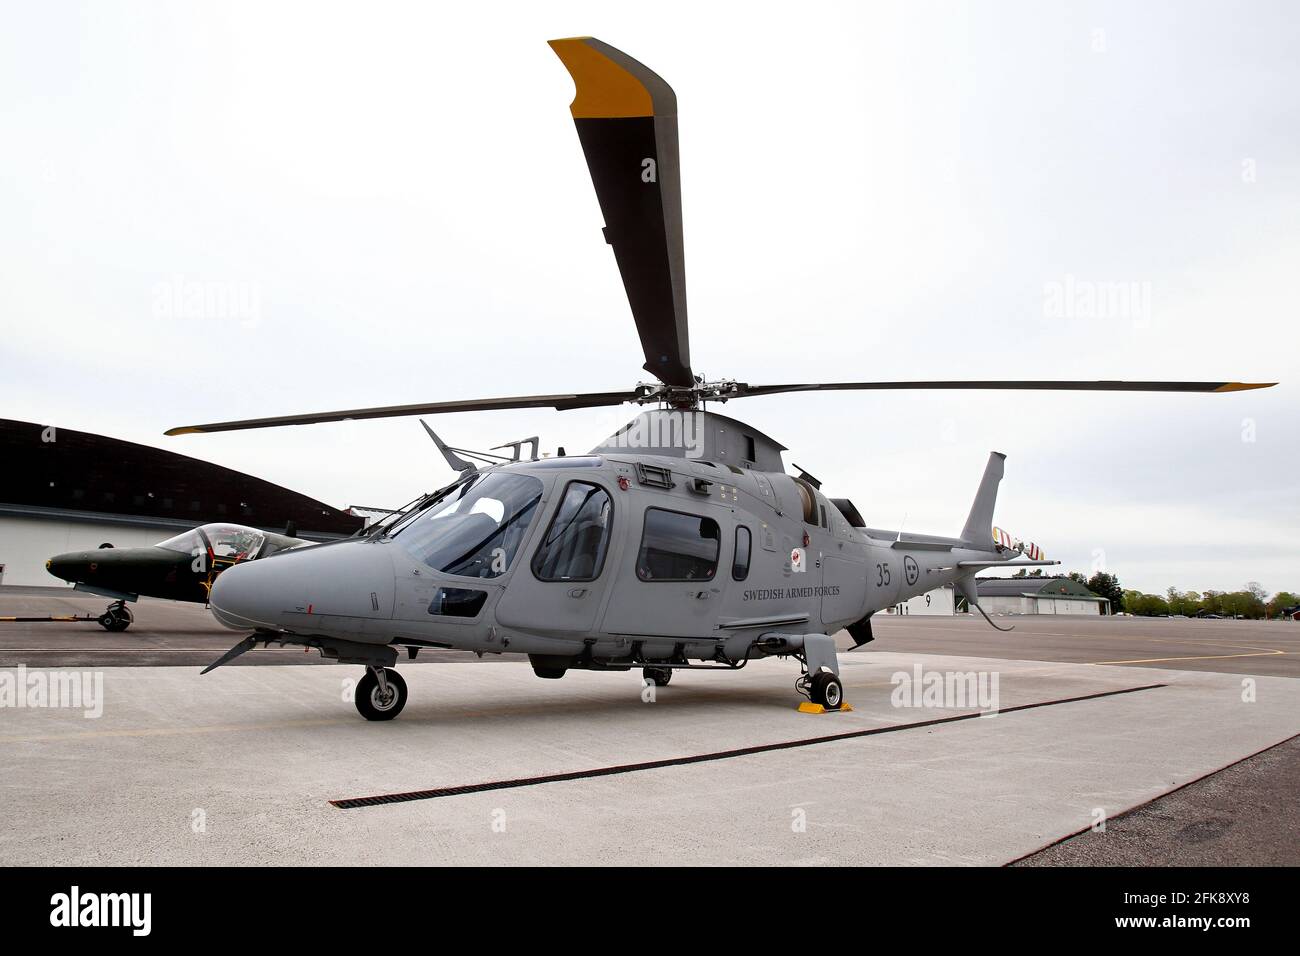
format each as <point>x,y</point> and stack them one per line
<point>118,617</point>
<point>381,694</point>
<point>660,676</point>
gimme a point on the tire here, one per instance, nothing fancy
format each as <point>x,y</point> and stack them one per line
<point>116,621</point>
<point>369,702</point>
<point>660,675</point>
<point>827,690</point>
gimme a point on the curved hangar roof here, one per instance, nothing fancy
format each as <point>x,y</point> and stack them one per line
<point>81,472</point>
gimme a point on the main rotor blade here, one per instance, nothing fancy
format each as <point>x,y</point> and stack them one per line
<point>626,117</point>
<point>746,391</point>
<point>560,402</point>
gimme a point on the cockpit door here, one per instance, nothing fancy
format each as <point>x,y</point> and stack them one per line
<point>563,583</point>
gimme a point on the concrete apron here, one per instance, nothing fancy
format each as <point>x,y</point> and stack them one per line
<point>239,766</point>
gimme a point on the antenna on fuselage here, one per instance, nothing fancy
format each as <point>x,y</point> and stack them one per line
<point>517,447</point>
<point>454,461</point>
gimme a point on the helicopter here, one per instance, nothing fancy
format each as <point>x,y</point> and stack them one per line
<point>182,568</point>
<point>679,543</point>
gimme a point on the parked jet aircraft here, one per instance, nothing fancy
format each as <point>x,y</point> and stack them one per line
<point>181,568</point>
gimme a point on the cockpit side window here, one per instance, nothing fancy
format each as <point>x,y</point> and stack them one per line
<point>740,560</point>
<point>475,531</point>
<point>574,546</point>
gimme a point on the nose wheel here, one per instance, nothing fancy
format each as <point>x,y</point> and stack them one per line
<point>118,617</point>
<point>659,675</point>
<point>381,694</point>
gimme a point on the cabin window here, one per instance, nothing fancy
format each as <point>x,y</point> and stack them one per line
<point>678,547</point>
<point>740,562</point>
<point>574,546</point>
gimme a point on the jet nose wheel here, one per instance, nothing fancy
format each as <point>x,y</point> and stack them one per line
<point>827,690</point>
<point>381,699</point>
<point>118,617</point>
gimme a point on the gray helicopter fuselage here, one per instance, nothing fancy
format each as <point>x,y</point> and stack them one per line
<point>606,558</point>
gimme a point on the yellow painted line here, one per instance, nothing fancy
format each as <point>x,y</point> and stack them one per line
<point>61,619</point>
<point>1206,657</point>
<point>1259,652</point>
<point>1252,647</point>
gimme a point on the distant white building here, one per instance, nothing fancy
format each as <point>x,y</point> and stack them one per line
<point>1039,596</point>
<point>939,601</point>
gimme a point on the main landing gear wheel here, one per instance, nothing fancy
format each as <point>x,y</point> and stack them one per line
<point>118,617</point>
<point>827,690</point>
<point>660,675</point>
<point>381,700</point>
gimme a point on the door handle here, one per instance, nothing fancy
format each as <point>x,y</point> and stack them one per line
<point>577,592</point>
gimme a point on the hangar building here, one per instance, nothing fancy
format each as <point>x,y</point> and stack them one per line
<point>64,490</point>
<point>1038,596</point>
<point>939,601</point>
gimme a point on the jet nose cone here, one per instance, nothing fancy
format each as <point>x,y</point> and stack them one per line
<point>73,566</point>
<point>351,579</point>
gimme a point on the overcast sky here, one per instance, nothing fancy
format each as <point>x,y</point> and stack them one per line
<point>396,199</point>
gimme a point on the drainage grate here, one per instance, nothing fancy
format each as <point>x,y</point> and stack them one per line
<point>352,803</point>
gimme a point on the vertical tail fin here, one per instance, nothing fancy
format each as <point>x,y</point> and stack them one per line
<point>978,532</point>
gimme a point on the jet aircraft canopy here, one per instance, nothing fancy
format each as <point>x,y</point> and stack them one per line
<point>229,542</point>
